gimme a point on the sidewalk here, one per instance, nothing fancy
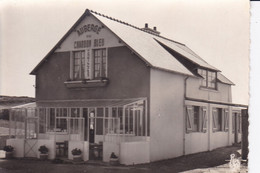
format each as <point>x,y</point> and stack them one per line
<point>214,161</point>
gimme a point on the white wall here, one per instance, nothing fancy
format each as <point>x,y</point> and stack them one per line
<point>134,153</point>
<point>108,148</point>
<point>166,115</point>
<point>18,145</point>
<point>197,141</point>
<point>219,138</point>
<point>223,92</point>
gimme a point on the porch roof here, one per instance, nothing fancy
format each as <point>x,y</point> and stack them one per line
<point>83,103</point>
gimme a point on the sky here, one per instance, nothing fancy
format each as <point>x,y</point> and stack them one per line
<point>217,30</point>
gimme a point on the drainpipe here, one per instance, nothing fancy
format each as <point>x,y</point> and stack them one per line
<point>184,119</point>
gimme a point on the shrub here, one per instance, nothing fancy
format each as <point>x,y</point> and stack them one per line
<point>76,151</point>
<point>113,155</point>
<point>43,149</point>
<point>8,148</point>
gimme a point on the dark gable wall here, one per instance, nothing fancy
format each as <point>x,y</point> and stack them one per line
<point>128,75</point>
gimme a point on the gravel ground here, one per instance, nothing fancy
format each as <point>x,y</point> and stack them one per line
<point>214,161</point>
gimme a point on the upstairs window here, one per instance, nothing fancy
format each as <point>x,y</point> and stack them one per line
<point>100,63</point>
<point>89,64</point>
<point>79,65</point>
<point>209,78</point>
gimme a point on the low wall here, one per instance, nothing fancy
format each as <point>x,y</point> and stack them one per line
<point>218,139</point>
<point>196,142</point>
<point>134,153</point>
<point>108,148</point>
<point>18,145</point>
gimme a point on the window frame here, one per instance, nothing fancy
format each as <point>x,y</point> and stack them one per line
<point>220,119</point>
<point>201,115</point>
<point>204,73</point>
<point>93,67</point>
<point>82,66</point>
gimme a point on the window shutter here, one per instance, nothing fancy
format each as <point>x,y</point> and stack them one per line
<point>189,119</point>
<point>226,119</point>
<point>204,119</point>
<point>214,124</point>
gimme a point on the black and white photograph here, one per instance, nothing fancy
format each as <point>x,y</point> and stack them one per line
<point>124,86</point>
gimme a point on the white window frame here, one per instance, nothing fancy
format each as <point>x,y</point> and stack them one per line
<point>202,119</point>
<point>218,126</point>
<point>206,78</point>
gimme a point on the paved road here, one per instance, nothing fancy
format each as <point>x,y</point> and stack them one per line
<point>213,161</point>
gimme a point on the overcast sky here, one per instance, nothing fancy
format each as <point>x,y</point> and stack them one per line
<point>217,30</point>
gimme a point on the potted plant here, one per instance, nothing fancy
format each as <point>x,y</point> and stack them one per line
<point>8,151</point>
<point>76,154</point>
<point>43,152</point>
<point>114,159</point>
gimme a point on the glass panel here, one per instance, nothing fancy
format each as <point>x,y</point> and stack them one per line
<point>100,63</point>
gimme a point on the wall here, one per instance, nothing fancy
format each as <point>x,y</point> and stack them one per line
<point>197,141</point>
<point>125,81</point>
<point>223,92</point>
<point>219,138</point>
<point>166,115</point>
<point>18,145</point>
<point>134,152</point>
<point>108,148</point>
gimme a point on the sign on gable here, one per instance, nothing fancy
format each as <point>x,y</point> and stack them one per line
<point>90,34</point>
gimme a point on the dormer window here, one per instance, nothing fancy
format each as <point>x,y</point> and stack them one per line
<point>209,78</point>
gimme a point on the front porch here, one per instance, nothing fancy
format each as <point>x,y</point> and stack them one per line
<point>96,127</point>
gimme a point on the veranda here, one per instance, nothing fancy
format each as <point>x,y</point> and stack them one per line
<point>113,125</point>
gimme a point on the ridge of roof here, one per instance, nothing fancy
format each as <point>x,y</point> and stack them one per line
<point>133,26</point>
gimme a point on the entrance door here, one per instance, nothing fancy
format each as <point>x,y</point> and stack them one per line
<point>91,127</point>
<point>96,134</point>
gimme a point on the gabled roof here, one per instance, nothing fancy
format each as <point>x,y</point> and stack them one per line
<point>145,45</point>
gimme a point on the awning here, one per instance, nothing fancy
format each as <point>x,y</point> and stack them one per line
<point>84,103</point>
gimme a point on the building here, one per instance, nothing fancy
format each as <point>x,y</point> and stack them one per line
<point>108,86</point>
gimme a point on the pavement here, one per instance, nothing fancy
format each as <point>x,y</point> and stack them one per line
<point>216,161</point>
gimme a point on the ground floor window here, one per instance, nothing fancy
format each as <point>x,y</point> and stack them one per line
<point>196,119</point>
<point>220,119</point>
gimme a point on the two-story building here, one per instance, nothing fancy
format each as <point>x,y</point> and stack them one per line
<point>108,86</point>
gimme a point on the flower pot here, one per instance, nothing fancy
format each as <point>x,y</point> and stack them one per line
<point>43,156</point>
<point>8,155</point>
<point>114,161</point>
<point>77,158</point>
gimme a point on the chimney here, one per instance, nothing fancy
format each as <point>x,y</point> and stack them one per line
<point>150,30</point>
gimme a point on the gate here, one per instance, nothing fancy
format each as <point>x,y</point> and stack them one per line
<point>30,140</point>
